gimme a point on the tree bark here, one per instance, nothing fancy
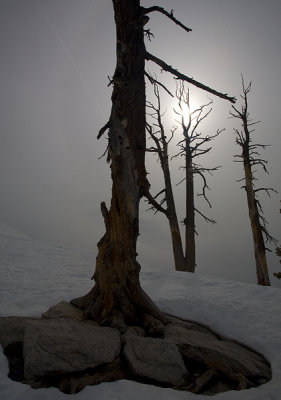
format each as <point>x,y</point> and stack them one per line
<point>189,211</point>
<point>259,246</point>
<point>117,298</point>
<point>172,215</point>
<point>251,158</point>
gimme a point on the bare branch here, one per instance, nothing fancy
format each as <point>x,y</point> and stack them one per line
<point>157,206</point>
<point>207,219</point>
<point>185,78</point>
<point>154,81</point>
<point>158,194</point>
<point>169,15</point>
<point>111,81</point>
<point>156,140</point>
<point>104,153</point>
<point>205,186</point>
<point>148,34</point>
<point>267,190</point>
<point>104,129</point>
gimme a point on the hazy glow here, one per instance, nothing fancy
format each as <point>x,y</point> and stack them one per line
<point>55,97</point>
<point>184,112</point>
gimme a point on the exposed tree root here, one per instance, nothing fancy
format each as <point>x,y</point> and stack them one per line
<point>136,311</point>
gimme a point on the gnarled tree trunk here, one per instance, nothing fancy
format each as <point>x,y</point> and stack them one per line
<point>117,298</point>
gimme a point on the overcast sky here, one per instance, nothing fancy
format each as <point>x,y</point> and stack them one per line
<point>56,57</point>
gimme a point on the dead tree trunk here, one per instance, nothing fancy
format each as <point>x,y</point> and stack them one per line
<point>278,253</point>
<point>189,210</point>
<point>161,148</point>
<point>259,246</point>
<point>172,213</point>
<point>250,157</point>
<point>117,298</point>
<point>178,253</point>
<point>191,147</point>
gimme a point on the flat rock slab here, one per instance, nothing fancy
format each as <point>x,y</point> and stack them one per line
<point>177,322</point>
<point>61,346</point>
<point>182,333</point>
<point>224,355</point>
<point>63,310</point>
<point>155,359</point>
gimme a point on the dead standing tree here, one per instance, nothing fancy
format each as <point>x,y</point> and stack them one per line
<point>251,159</point>
<point>117,298</point>
<point>278,253</point>
<point>157,133</point>
<point>191,147</point>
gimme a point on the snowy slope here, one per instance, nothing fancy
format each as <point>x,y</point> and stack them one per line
<point>35,275</point>
<point>11,232</point>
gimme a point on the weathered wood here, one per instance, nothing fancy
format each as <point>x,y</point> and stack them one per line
<point>171,211</point>
<point>189,209</point>
<point>250,158</point>
<point>117,298</point>
<point>259,246</point>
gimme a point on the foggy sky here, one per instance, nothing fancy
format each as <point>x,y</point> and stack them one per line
<point>56,57</point>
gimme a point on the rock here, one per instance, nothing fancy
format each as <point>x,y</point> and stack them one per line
<point>64,351</point>
<point>135,331</point>
<point>132,331</point>
<point>223,355</point>
<point>62,346</point>
<point>191,326</point>
<point>63,310</point>
<point>111,372</point>
<point>12,329</point>
<point>228,357</point>
<point>155,359</point>
<point>185,333</point>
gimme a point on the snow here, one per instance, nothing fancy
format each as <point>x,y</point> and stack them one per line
<point>35,275</point>
<point>9,231</point>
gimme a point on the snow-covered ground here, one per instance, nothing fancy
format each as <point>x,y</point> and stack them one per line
<point>35,275</point>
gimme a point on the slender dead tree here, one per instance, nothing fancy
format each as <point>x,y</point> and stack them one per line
<point>250,157</point>
<point>157,133</point>
<point>278,253</point>
<point>191,146</point>
<point>117,298</point>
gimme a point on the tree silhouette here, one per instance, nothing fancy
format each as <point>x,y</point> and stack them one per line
<point>278,253</point>
<point>192,145</point>
<point>250,157</point>
<point>117,298</point>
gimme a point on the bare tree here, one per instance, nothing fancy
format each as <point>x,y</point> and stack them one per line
<point>117,298</point>
<point>251,158</point>
<point>192,145</point>
<point>161,142</point>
